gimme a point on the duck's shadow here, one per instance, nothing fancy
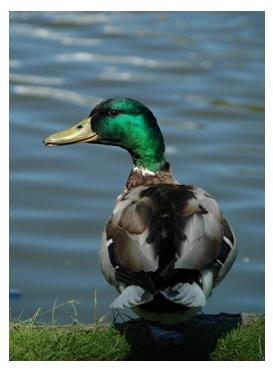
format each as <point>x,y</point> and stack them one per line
<point>192,340</point>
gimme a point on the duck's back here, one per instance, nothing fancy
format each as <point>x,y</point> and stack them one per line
<point>164,235</point>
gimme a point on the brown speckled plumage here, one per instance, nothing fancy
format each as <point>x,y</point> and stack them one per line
<point>164,234</point>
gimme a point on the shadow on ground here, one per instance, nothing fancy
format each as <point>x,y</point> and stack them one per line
<point>192,340</point>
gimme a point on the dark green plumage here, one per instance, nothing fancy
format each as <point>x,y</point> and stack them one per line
<point>131,125</point>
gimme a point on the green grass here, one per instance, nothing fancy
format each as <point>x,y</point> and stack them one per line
<point>205,337</point>
<point>245,343</point>
<point>67,343</point>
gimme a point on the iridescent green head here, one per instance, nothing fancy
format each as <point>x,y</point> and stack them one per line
<point>122,122</point>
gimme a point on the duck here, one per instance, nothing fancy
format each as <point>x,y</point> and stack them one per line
<point>167,245</point>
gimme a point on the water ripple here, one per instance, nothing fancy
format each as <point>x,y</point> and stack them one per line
<point>54,93</point>
<point>78,18</point>
<point>31,79</point>
<point>48,34</point>
<point>135,60</point>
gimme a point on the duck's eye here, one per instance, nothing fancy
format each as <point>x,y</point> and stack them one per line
<point>113,112</point>
<point>79,126</point>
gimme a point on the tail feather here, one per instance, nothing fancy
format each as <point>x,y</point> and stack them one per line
<point>132,296</point>
<point>186,294</point>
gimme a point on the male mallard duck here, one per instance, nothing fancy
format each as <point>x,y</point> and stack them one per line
<point>166,245</point>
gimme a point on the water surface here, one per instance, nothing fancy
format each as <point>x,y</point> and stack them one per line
<point>201,73</point>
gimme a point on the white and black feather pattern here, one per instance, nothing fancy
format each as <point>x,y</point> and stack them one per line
<point>132,295</point>
<point>186,294</point>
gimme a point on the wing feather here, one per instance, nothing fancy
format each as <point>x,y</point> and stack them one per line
<point>202,232</point>
<point>166,228</point>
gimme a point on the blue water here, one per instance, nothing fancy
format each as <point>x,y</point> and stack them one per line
<point>201,73</point>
